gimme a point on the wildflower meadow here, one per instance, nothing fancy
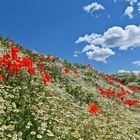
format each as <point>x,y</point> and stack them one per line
<point>44,97</point>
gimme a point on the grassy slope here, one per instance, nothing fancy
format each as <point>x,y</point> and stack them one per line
<point>31,110</point>
<point>129,78</point>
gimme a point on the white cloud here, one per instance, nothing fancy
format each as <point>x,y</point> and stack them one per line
<point>76,53</point>
<point>89,38</point>
<point>138,7</point>
<point>130,9</point>
<point>97,53</point>
<point>93,7</point>
<point>115,37</point>
<point>125,71</point>
<point>129,12</point>
<point>136,63</point>
<point>129,37</point>
<point>132,1</point>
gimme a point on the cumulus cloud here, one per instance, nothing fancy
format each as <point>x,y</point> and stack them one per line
<point>125,71</point>
<point>129,12</point>
<point>136,63</point>
<point>132,1</point>
<point>129,37</point>
<point>115,37</point>
<point>97,53</point>
<point>93,7</point>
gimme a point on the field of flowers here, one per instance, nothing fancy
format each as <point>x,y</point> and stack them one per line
<point>43,97</point>
<point>129,79</point>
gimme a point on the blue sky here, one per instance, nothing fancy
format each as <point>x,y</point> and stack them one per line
<point>53,27</point>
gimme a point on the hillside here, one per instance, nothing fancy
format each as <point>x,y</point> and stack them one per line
<point>43,97</point>
<point>129,78</point>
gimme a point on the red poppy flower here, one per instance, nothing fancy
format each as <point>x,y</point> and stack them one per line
<point>41,69</point>
<point>66,70</point>
<point>6,56</point>
<point>20,62</point>
<point>93,108</point>
<point>14,56</point>
<point>131,102</point>
<point>134,88</point>
<point>7,65</point>
<point>119,84</point>
<point>46,73</point>
<point>0,77</point>
<point>31,71</point>
<point>14,49</point>
<point>27,62</point>
<point>76,71</point>
<point>15,67</point>
<point>110,83</point>
<point>101,91</point>
<point>121,96</point>
<point>46,78</point>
